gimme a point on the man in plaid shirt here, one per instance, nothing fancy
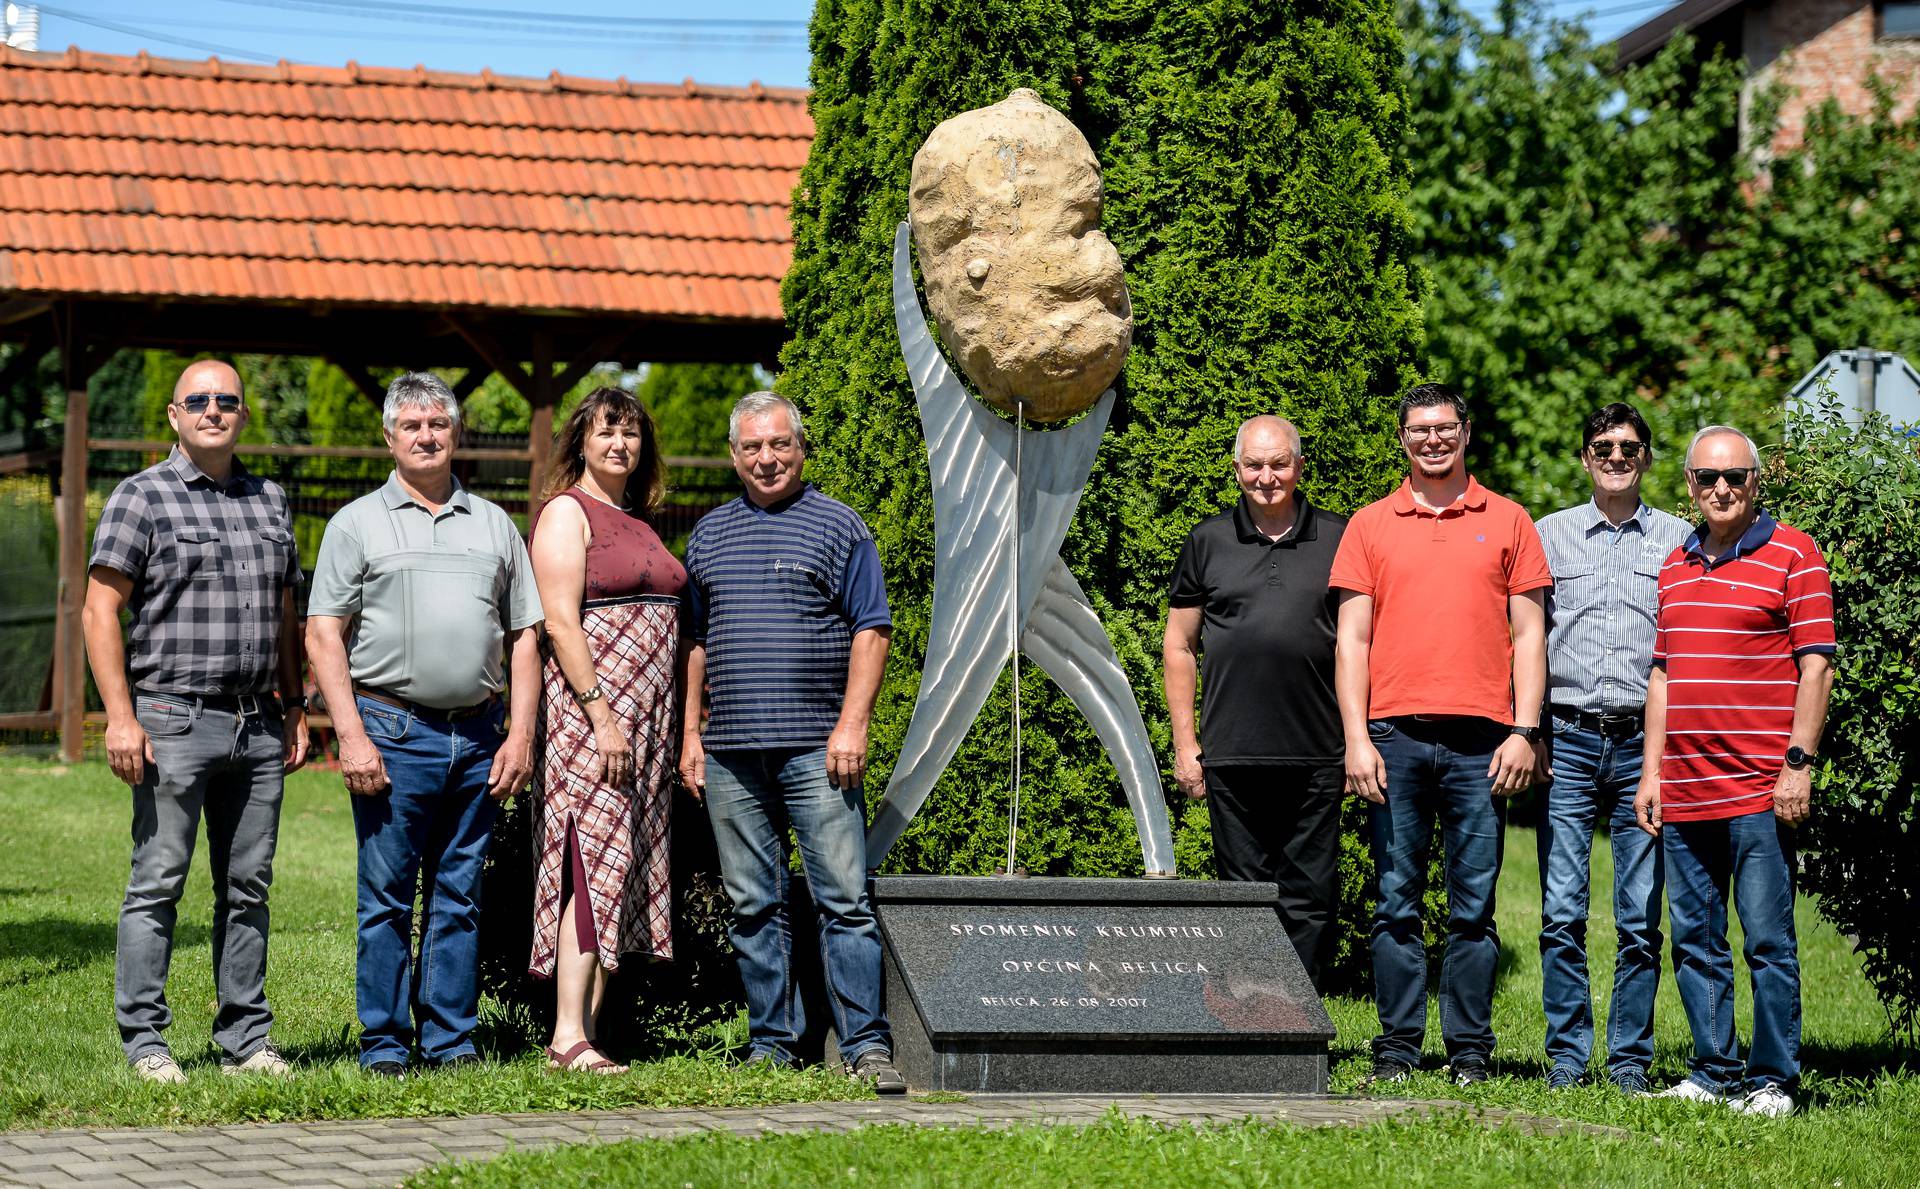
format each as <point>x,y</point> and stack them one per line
<point>201,552</point>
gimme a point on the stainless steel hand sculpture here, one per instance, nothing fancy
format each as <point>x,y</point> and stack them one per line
<point>970,452</point>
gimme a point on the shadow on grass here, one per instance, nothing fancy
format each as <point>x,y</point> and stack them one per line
<point>1863,1061</point>
<point>49,945</point>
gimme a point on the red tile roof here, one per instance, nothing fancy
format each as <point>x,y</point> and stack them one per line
<point>153,178</point>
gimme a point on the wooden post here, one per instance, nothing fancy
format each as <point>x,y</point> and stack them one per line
<point>540,400</point>
<point>70,647</point>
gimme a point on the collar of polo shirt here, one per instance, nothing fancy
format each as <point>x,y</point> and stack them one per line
<point>1473,499</point>
<point>1303,527</point>
<point>1758,533</point>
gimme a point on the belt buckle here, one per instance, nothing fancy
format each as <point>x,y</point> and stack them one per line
<point>1611,724</point>
<point>247,705</point>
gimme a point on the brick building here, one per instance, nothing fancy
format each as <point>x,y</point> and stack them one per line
<point>1817,48</point>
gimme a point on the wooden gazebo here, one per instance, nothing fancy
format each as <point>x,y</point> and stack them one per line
<point>526,227</point>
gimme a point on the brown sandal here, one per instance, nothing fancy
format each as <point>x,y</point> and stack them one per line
<point>570,1061</point>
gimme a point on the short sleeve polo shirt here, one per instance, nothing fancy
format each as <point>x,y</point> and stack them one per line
<point>1266,637</point>
<point>431,594</point>
<point>1442,641</point>
<point>1730,633</point>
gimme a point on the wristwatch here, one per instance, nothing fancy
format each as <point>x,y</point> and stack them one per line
<point>1530,734</point>
<point>1799,757</point>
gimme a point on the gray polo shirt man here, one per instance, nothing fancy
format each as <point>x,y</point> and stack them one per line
<point>427,594</point>
<point>423,600</point>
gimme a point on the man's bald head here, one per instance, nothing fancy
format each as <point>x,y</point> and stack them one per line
<point>206,375</point>
<point>1264,425</point>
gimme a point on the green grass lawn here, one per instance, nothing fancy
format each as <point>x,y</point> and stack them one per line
<point>64,853</point>
<point>63,860</point>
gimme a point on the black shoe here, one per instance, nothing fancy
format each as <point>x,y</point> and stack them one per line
<point>1469,1072</point>
<point>1387,1072</point>
<point>875,1067</point>
<point>1630,1082</point>
<point>1563,1077</point>
<point>387,1069</point>
<point>769,1059</point>
<point>459,1061</point>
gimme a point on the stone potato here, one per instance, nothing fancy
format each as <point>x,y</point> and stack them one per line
<point>1027,293</point>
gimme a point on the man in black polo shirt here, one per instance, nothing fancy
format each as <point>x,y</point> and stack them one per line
<point>1250,591</point>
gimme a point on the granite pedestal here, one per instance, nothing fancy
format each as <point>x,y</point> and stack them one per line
<point>1097,986</point>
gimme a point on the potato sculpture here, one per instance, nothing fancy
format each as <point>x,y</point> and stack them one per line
<point>1028,294</point>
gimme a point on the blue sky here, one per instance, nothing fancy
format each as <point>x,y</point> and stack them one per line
<point>714,41</point>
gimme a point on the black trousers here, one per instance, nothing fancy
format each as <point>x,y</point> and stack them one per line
<point>1280,824</point>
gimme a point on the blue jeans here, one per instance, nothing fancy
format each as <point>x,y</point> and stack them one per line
<point>226,768</point>
<point>431,828</point>
<point>1436,769</point>
<point>1752,854</point>
<point>753,797</point>
<point>1594,777</point>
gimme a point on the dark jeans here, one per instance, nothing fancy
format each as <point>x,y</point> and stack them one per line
<point>227,768</point>
<point>1280,824</point>
<point>1594,778</point>
<point>753,798</point>
<point>1754,855</point>
<point>1436,769</point>
<point>428,832</point>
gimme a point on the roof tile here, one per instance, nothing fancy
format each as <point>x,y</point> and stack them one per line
<point>153,177</point>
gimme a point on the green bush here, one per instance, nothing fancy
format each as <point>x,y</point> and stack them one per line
<point>1255,190</point>
<point>1856,491</point>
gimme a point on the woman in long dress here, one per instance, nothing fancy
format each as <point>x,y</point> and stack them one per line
<point>611,591</point>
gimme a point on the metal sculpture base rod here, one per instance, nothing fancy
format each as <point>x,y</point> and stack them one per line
<point>997,539</point>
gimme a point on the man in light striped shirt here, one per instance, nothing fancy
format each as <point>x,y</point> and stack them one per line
<point>1743,666</point>
<point>1606,555</point>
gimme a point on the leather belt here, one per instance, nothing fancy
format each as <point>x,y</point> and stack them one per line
<point>1613,726</point>
<point>430,713</point>
<point>241,705</point>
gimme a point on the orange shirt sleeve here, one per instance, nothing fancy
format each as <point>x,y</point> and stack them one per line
<point>1527,567</point>
<point>1353,567</point>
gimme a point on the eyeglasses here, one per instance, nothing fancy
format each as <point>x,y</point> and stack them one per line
<point>1603,448</point>
<point>196,402</point>
<point>1420,433</point>
<point>1707,477</point>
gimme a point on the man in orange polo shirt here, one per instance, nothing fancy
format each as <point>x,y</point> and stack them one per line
<point>1440,669</point>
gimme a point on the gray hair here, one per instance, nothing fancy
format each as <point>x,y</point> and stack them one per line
<point>755,403</point>
<point>1714,431</point>
<point>418,390</point>
<point>1292,431</point>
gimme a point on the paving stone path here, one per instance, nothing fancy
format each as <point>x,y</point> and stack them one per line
<point>362,1152</point>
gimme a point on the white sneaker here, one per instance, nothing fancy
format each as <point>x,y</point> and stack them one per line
<point>159,1066</point>
<point>1771,1101</point>
<point>265,1059</point>
<point>1692,1091</point>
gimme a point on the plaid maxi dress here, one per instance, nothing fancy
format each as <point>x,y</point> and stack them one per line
<point>606,844</point>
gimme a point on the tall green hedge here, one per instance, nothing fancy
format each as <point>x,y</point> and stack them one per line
<point>1256,191</point>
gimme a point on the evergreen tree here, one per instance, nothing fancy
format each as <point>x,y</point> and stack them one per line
<point>1255,190</point>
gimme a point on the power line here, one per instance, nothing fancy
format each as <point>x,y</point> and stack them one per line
<point>629,31</point>
<point>150,35</point>
<point>440,12</point>
<point>553,39</point>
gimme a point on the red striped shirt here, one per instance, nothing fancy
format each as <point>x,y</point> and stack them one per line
<point>1729,634</point>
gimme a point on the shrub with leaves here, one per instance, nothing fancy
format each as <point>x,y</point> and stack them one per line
<point>1856,491</point>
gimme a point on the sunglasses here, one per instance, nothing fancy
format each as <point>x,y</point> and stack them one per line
<point>196,402</point>
<point>1707,477</point>
<point>1602,448</point>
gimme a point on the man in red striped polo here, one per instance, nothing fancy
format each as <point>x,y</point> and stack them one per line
<point>1742,667</point>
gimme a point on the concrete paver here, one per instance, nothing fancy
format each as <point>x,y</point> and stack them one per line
<point>365,1152</point>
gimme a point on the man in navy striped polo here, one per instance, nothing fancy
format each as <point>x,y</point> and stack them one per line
<point>1606,555</point>
<point>788,630</point>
